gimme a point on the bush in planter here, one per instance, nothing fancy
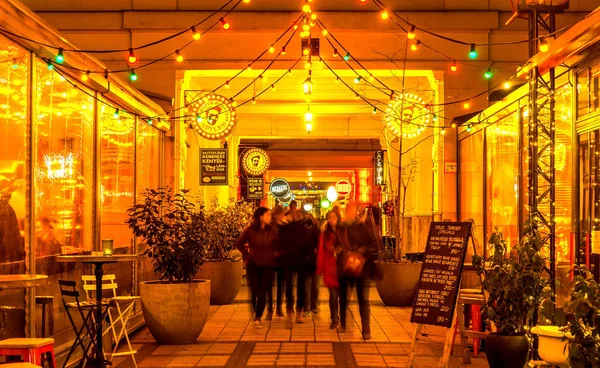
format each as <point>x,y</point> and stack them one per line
<point>223,226</point>
<point>515,284</point>
<point>176,306</point>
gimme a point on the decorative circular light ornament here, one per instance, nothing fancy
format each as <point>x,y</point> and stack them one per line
<point>407,115</point>
<point>214,116</point>
<point>280,188</point>
<point>255,161</point>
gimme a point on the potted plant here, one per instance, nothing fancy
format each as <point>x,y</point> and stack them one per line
<point>514,282</point>
<point>175,306</point>
<point>223,267</point>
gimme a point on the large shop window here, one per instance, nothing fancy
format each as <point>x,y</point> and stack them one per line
<point>471,183</point>
<point>64,119</point>
<point>14,130</point>
<point>117,161</point>
<point>147,158</point>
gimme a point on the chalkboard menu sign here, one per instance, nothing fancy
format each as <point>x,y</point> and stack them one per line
<point>440,274</point>
<point>256,186</point>
<point>213,166</point>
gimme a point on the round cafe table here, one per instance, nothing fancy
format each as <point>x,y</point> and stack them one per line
<point>98,262</point>
<point>17,281</point>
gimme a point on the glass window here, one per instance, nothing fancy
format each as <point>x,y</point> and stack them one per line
<point>64,163</point>
<point>471,184</point>
<point>116,173</point>
<point>14,130</point>
<point>583,93</point>
<point>563,161</point>
<point>147,157</point>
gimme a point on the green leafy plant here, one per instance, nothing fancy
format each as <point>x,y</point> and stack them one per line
<point>224,225</point>
<point>582,311</point>
<point>515,282</point>
<point>173,229</point>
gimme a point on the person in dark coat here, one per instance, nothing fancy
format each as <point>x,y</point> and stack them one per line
<point>278,219</point>
<point>259,255</point>
<point>361,240</point>
<point>312,279</point>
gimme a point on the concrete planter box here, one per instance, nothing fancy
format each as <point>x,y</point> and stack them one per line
<point>397,282</point>
<point>225,280</point>
<point>175,313</point>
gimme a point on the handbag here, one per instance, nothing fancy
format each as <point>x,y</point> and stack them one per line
<point>353,264</point>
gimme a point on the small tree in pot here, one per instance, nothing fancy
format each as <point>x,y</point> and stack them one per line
<point>176,306</point>
<point>223,226</point>
<point>514,283</point>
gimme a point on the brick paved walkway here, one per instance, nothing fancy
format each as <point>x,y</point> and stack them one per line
<point>230,340</point>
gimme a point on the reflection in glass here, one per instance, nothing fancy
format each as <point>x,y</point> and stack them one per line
<point>471,184</point>
<point>147,156</point>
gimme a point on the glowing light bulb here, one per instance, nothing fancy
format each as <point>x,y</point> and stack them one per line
<point>305,27</point>
<point>544,45</point>
<point>507,85</point>
<point>86,76</point>
<point>306,8</point>
<point>415,46</point>
<point>60,57</point>
<point>347,56</point>
<point>195,34</point>
<point>443,132</point>
<point>313,16</point>
<point>132,58</point>
<point>246,1</point>
<point>178,56</point>
<point>224,23</point>
<point>308,116</point>
<point>305,51</point>
<point>411,34</point>
<point>385,15</point>
<point>467,105</point>
<point>357,79</point>
<point>473,52</point>
<point>453,66</point>
<point>227,85</point>
<point>132,76</point>
<point>50,65</point>
<point>335,53</point>
<point>453,125</point>
<point>283,52</point>
<point>488,73</point>
<point>116,114</point>
<point>325,32</point>
<point>271,49</point>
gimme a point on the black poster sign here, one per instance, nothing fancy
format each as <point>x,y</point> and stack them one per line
<point>440,274</point>
<point>213,166</point>
<point>256,186</point>
<point>378,168</point>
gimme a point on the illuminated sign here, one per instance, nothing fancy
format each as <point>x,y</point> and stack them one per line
<point>407,115</point>
<point>280,188</point>
<point>213,116</point>
<point>378,168</point>
<point>213,166</point>
<point>255,161</point>
<point>256,187</point>
<point>343,187</point>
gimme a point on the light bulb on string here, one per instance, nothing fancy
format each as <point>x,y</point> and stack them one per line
<point>306,7</point>
<point>308,116</point>
<point>415,46</point>
<point>246,1</point>
<point>453,66</point>
<point>233,102</point>
<point>283,52</point>
<point>313,16</point>
<point>325,32</point>
<point>60,57</point>
<point>178,56</point>
<point>488,73</point>
<point>307,65</point>
<point>271,49</point>
<point>544,45</point>
<point>347,56</point>
<point>507,85</point>
<point>273,87</point>
<point>374,111</point>
<point>149,121</point>
<point>469,128</point>
<point>224,23</point>
<point>363,1</point>
<point>371,78</point>
<point>132,76</point>
<point>253,101</point>
<point>335,53</point>
<point>473,52</point>
<point>467,105</point>
<point>337,80</point>
<point>306,27</point>
<point>453,125</point>
<point>116,114</point>
<point>385,15</point>
<point>227,85</point>
<point>15,64</point>
<point>357,97</point>
<point>195,34</point>
<point>305,51</point>
<point>357,79</point>
<point>443,131</point>
<point>249,67</point>
<point>199,118</point>
<point>132,59</point>
<point>49,65</point>
<point>85,76</point>
<point>263,78</point>
<point>295,26</point>
<point>411,33</point>
<point>307,86</point>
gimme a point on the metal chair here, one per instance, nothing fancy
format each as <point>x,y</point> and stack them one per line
<point>86,309</point>
<point>121,310</point>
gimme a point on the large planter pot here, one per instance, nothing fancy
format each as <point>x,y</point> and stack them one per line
<point>225,280</point>
<point>506,351</point>
<point>553,345</point>
<point>175,313</point>
<point>397,282</point>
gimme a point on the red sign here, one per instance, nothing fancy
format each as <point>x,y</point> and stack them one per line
<point>343,187</point>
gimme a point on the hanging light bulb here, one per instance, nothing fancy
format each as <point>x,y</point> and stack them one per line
<point>313,16</point>
<point>263,78</point>
<point>132,76</point>
<point>224,23</point>
<point>337,79</point>
<point>415,46</point>
<point>132,58</point>
<point>50,65</point>
<point>227,85</point>
<point>363,1</point>
<point>249,67</point>
<point>308,116</point>
<point>15,64</point>
<point>453,66</point>
<point>85,76</point>
<point>357,97</point>
<point>347,56</point>
<point>253,101</point>
<point>469,128</point>
<point>507,85</point>
<point>307,65</point>
<point>233,103</point>
<point>306,7</point>
<point>178,56</point>
<point>309,127</point>
<point>305,27</point>
<point>357,79</point>
<point>325,32</point>
<point>443,131</point>
<point>467,104</point>
<point>273,87</point>
<point>60,57</point>
<point>473,52</point>
<point>305,51</point>
<point>307,86</point>
<point>116,114</point>
<point>195,34</point>
<point>453,125</point>
<point>199,118</point>
<point>295,26</point>
<point>149,121</point>
<point>488,73</point>
<point>335,53</point>
<point>385,15</point>
<point>544,45</point>
<point>411,34</point>
<point>374,110</point>
<point>246,1</point>
<point>283,50</point>
<point>271,49</point>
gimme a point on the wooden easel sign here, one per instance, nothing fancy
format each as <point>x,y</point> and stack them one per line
<point>439,280</point>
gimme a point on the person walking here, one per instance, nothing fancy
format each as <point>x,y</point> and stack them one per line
<point>262,242</point>
<point>278,220</point>
<point>312,279</point>
<point>361,250</point>
<point>332,240</point>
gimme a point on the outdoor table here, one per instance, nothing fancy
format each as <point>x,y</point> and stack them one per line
<point>22,281</point>
<point>98,262</point>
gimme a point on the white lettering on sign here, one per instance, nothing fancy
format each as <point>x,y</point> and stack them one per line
<point>279,188</point>
<point>343,187</point>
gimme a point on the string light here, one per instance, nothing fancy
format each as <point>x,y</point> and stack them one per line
<point>273,87</point>
<point>385,15</point>
<point>473,52</point>
<point>132,59</point>
<point>411,34</point>
<point>60,57</point>
<point>335,53</point>
<point>374,111</point>
<point>488,73</point>
<point>453,66</point>
<point>195,34</point>
<point>227,85</point>
<point>49,65</point>
<point>363,1</point>
<point>15,64</point>
<point>305,27</point>
<point>233,102</point>
<point>116,114</point>
<point>249,68</point>
<point>179,57</point>
<point>253,101</point>
<point>132,76</point>
<point>507,85</point>
<point>443,131</point>
<point>85,76</point>
<point>357,80</point>
<point>544,45</point>
<point>308,116</point>
<point>283,50</point>
<point>305,51</point>
<point>149,121</point>
<point>271,49</point>
<point>469,128</point>
<point>246,1</point>
<point>307,65</point>
<point>307,85</point>
<point>325,32</point>
<point>224,23</point>
<point>347,56</point>
<point>415,45</point>
<point>313,16</point>
<point>467,105</point>
<point>263,78</point>
<point>371,78</point>
<point>199,118</point>
<point>453,125</point>
<point>306,7</point>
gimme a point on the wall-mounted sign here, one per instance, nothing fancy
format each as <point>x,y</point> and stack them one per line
<point>378,168</point>
<point>407,115</point>
<point>343,188</point>
<point>256,187</point>
<point>213,166</point>
<point>255,161</point>
<point>280,188</point>
<point>213,116</point>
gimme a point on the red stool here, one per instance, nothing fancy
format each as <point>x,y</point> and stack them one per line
<point>29,349</point>
<point>476,326</point>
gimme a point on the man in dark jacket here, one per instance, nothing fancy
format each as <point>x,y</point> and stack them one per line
<point>361,240</point>
<point>312,280</point>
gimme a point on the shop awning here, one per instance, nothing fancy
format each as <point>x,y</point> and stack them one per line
<point>461,119</point>
<point>500,94</point>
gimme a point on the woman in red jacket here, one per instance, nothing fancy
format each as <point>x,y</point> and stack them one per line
<point>331,243</point>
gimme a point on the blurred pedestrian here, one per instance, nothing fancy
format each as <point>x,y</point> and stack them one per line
<point>312,279</point>
<point>278,220</point>
<point>262,242</point>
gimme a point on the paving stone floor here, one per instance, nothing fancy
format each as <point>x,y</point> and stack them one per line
<point>229,339</point>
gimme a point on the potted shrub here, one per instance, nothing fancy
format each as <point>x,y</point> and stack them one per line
<point>175,306</point>
<point>224,266</point>
<point>514,283</point>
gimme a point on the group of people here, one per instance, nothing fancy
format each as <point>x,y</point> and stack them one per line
<point>288,245</point>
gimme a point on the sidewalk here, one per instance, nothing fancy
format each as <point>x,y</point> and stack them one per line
<point>230,340</point>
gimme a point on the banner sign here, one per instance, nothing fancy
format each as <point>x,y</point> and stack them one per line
<point>280,188</point>
<point>213,166</point>
<point>378,168</point>
<point>256,187</point>
<point>214,116</point>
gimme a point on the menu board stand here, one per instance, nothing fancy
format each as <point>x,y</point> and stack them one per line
<point>440,279</point>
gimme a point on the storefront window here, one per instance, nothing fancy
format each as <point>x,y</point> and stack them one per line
<point>147,157</point>
<point>583,92</point>
<point>14,128</point>
<point>563,171</point>
<point>471,184</point>
<point>116,173</point>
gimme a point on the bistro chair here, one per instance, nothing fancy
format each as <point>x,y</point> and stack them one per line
<point>119,313</point>
<point>85,309</point>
